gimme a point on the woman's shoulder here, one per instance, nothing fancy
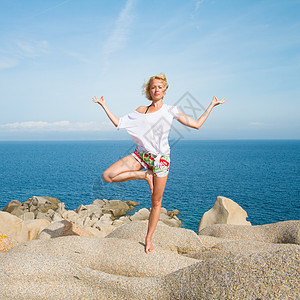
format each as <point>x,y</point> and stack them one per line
<point>141,109</point>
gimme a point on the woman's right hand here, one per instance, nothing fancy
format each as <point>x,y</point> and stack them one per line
<point>99,101</point>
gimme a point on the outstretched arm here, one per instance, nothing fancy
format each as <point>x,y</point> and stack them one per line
<point>190,122</point>
<point>111,116</point>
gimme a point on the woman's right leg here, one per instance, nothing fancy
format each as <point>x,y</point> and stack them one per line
<point>128,168</point>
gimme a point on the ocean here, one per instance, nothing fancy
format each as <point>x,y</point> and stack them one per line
<point>262,176</point>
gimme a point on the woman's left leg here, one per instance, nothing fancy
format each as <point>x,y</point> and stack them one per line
<point>156,200</point>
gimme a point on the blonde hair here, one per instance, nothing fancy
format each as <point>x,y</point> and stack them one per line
<point>146,89</point>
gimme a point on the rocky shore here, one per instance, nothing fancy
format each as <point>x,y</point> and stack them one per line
<point>97,252</point>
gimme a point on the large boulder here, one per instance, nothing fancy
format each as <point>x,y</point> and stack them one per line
<point>267,275</point>
<point>88,268</point>
<point>113,256</point>
<point>115,207</point>
<point>35,227</point>
<point>15,208</point>
<point>174,239</point>
<point>287,232</point>
<point>13,227</point>
<point>224,211</point>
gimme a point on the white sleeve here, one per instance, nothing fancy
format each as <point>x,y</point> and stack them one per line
<point>126,121</point>
<point>123,122</point>
<point>173,110</point>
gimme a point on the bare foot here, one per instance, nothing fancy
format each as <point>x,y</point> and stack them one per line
<point>149,178</point>
<point>149,247</point>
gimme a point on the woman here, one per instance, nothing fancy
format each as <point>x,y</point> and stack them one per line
<point>149,128</point>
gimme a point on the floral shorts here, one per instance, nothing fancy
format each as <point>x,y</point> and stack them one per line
<point>148,161</point>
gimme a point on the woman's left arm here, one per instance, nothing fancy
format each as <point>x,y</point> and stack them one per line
<point>190,122</point>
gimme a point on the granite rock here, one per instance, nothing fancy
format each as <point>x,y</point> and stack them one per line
<point>5,243</point>
<point>35,227</point>
<point>13,227</point>
<point>174,239</point>
<point>287,232</point>
<point>224,211</point>
<point>113,256</point>
<point>62,228</point>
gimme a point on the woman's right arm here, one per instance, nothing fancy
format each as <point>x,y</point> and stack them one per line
<point>111,116</point>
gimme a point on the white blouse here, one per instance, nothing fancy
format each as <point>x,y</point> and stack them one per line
<point>150,131</point>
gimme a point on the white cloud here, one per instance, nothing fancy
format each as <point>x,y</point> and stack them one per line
<point>121,32</point>
<point>61,126</point>
<point>6,63</point>
<point>198,4</point>
<point>32,49</point>
<point>79,57</point>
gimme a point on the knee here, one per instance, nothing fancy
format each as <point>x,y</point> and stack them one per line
<point>106,177</point>
<point>156,202</point>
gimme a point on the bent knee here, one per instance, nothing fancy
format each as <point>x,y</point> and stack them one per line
<point>107,177</point>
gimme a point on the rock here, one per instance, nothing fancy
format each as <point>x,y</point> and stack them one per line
<point>287,232</point>
<point>43,216</point>
<point>173,213</point>
<point>116,204</point>
<point>62,228</point>
<point>132,204</point>
<point>225,248</point>
<point>113,256</point>
<point>141,215</point>
<point>96,232</point>
<point>15,208</point>
<point>43,204</point>
<point>88,268</point>
<point>224,211</point>
<point>90,209</point>
<point>178,240</point>
<point>70,215</point>
<point>99,202</point>
<point>105,220</point>
<point>210,241</point>
<point>265,275</point>
<point>5,243</point>
<point>27,216</point>
<point>170,221</point>
<point>35,227</point>
<point>56,217</point>
<point>250,247</point>
<point>116,207</point>
<point>13,227</point>
<point>11,206</point>
<point>103,229</point>
<point>82,211</point>
<point>121,221</point>
<point>61,209</point>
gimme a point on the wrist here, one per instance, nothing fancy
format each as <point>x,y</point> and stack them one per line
<point>212,105</point>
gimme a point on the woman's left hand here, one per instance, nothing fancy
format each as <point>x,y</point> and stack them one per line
<point>215,101</point>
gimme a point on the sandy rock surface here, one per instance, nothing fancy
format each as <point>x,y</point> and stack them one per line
<point>113,256</point>
<point>287,232</point>
<point>174,239</point>
<point>95,252</point>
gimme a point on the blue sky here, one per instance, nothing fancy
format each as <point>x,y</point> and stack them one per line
<point>56,55</point>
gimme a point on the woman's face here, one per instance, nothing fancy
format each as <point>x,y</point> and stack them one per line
<point>157,89</point>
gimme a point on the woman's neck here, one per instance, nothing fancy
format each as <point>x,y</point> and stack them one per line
<point>157,103</point>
